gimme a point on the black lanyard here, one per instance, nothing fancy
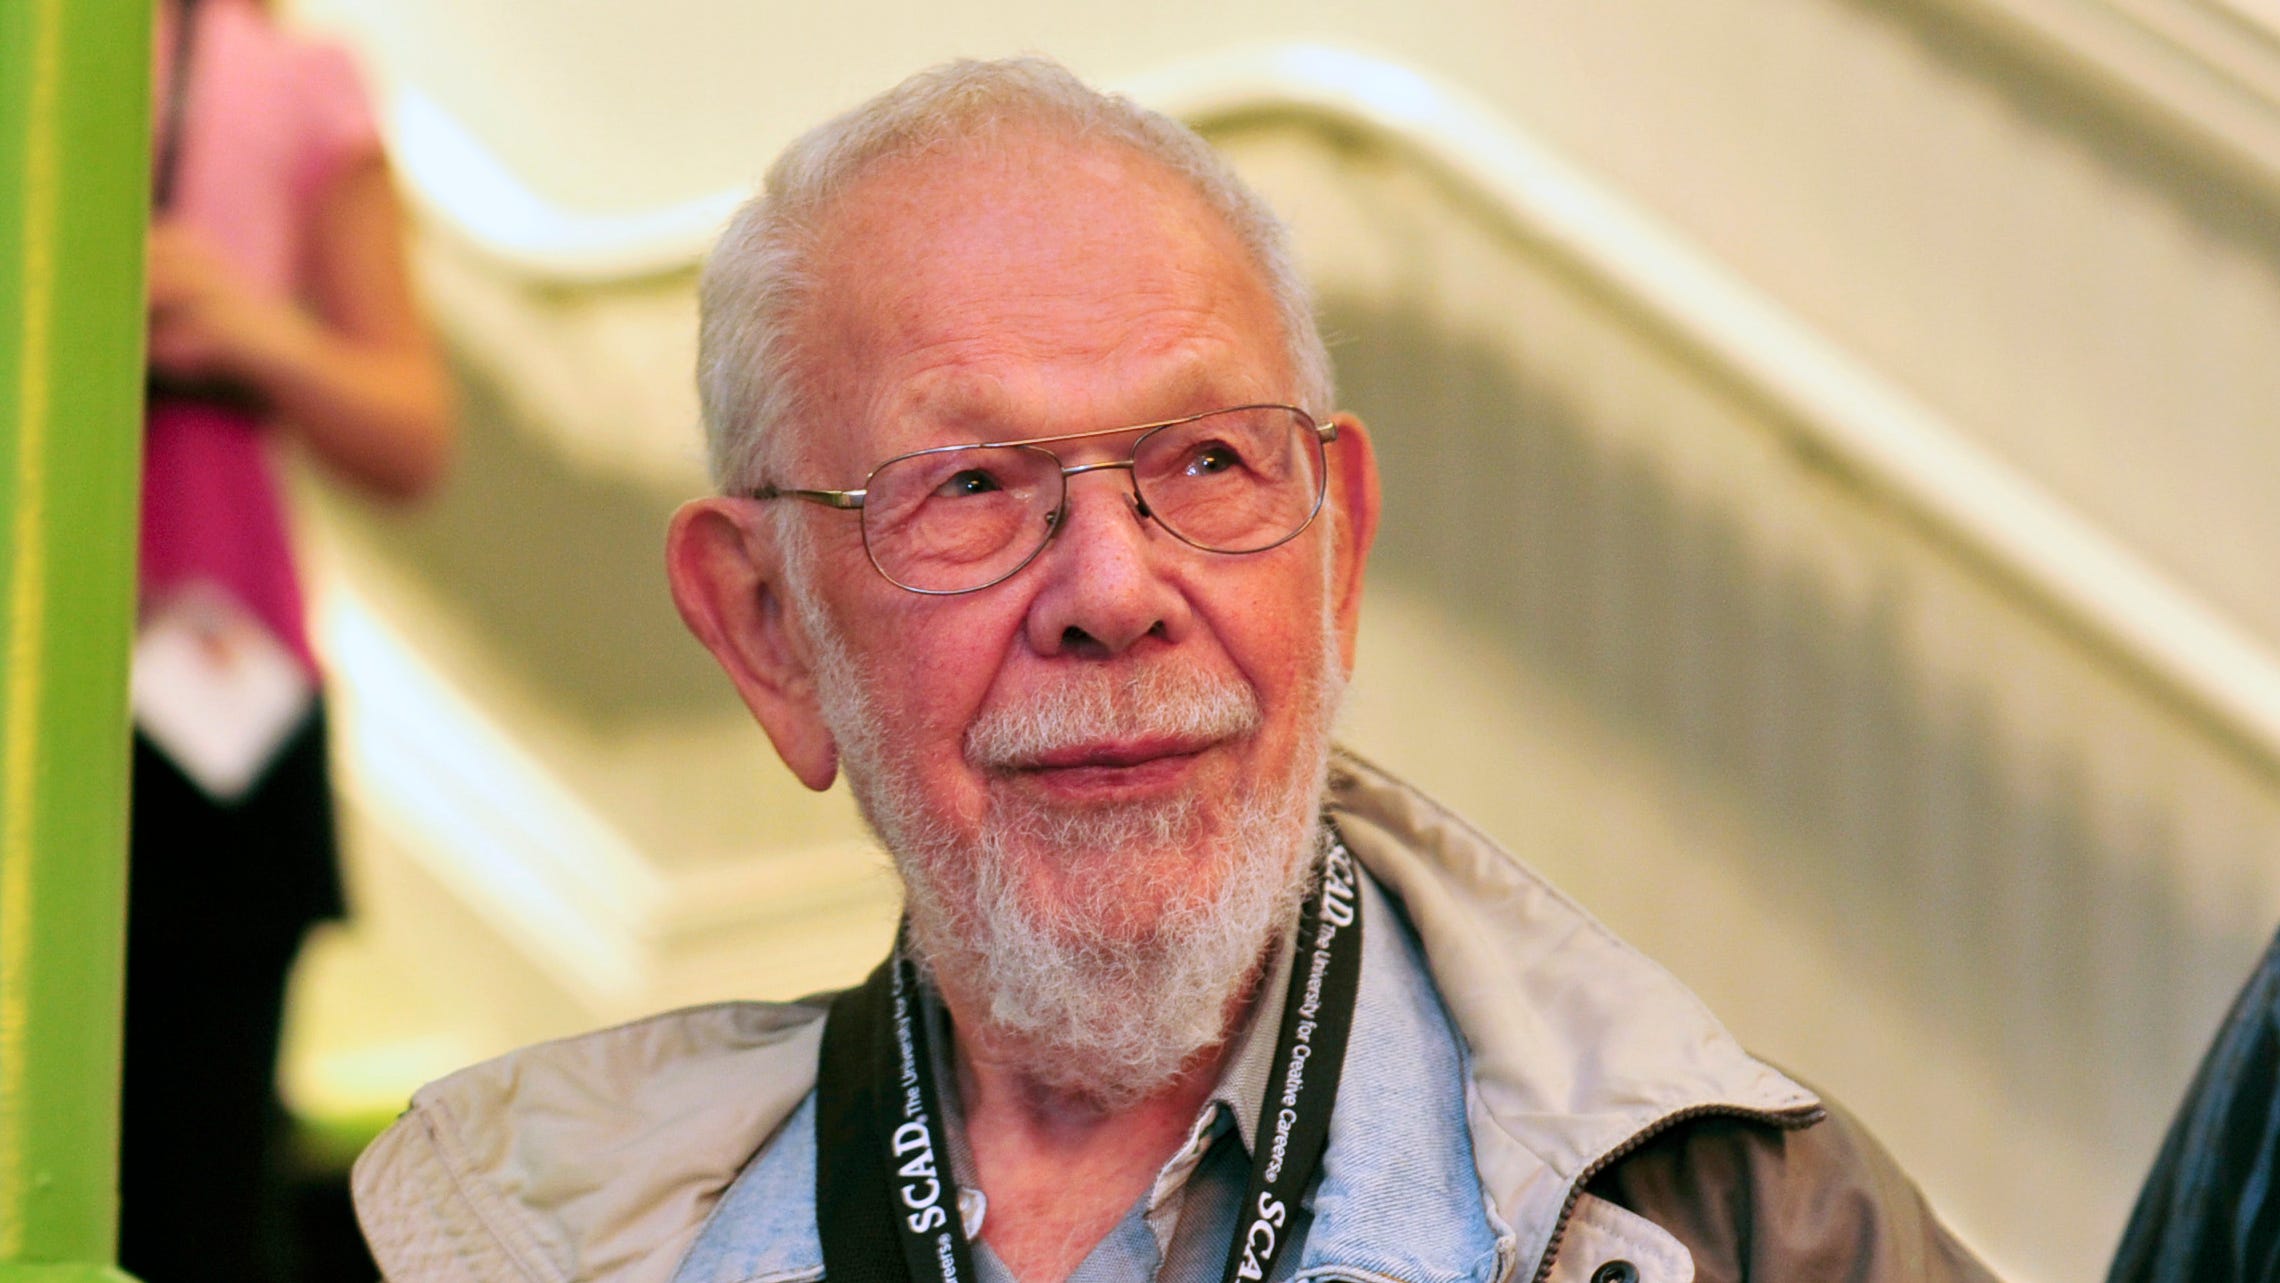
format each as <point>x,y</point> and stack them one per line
<point>886,1202</point>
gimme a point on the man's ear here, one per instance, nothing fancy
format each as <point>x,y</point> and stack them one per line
<point>1354,491</point>
<point>726,570</point>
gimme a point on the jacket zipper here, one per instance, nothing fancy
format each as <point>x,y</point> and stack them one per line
<point>1789,1120</point>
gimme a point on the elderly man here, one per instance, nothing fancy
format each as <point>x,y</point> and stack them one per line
<point>1036,525</point>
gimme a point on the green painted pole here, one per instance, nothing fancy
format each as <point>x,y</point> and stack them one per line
<point>75,127</point>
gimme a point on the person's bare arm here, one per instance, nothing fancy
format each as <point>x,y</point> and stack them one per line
<point>354,374</point>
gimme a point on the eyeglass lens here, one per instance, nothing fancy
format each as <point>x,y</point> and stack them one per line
<point>953,520</point>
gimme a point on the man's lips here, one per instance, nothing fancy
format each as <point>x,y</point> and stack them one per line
<point>1112,757</point>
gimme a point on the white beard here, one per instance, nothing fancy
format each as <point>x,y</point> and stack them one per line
<point>1108,944</point>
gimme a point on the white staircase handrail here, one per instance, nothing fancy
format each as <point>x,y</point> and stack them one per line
<point>1842,409</point>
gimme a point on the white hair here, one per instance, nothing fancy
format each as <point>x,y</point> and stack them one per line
<point>761,273</point>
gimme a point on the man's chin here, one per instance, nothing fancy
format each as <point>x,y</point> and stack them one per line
<point>1113,932</point>
<point>1115,952</point>
<point>1114,887</point>
<point>1113,1012</point>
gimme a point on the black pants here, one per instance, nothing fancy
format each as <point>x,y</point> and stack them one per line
<point>218,899</point>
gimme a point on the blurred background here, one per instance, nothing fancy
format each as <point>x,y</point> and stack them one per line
<point>1829,531</point>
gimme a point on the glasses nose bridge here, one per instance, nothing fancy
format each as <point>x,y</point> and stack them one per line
<point>1125,465</point>
<point>1104,465</point>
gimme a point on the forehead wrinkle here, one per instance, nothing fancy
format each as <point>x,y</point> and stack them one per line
<point>961,390</point>
<point>944,317</point>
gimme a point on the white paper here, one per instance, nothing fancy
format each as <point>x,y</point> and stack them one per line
<point>214,690</point>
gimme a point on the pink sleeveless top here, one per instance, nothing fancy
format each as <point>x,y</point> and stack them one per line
<point>269,122</point>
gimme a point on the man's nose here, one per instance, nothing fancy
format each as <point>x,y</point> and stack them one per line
<point>1105,589</point>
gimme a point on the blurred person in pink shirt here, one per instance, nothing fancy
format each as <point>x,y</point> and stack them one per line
<point>282,315</point>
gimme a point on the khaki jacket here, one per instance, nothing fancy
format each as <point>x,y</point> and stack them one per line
<point>1614,1122</point>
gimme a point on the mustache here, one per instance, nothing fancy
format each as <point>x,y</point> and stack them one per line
<point>1162,700</point>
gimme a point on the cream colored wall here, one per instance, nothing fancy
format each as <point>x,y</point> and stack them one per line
<point>1923,839</point>
<point>1910,838</point>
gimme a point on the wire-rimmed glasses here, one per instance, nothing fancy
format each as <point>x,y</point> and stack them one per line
<point>957,519</point>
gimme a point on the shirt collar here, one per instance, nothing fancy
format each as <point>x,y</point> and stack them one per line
<point>1243,1080</point>
<point>1400,1196</point>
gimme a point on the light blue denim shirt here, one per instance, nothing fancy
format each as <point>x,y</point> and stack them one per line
<point>1398,1198</point>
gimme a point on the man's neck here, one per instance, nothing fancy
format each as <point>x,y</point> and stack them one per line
<point>1059,1170</point>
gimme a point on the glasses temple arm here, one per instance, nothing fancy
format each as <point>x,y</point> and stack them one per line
<point>828,498</point>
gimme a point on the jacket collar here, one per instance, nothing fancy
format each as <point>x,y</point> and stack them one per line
<point>1580,1045</point>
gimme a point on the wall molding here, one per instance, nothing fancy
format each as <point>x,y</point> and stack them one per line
<point>2203,66</point>
<point>1840,409</point>
<point>465,189</point>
